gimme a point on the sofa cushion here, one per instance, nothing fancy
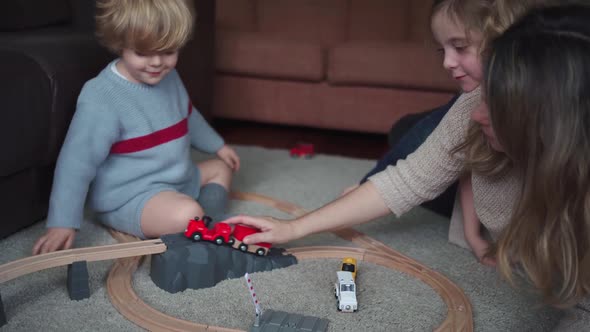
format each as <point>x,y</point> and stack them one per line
<point>266,56</point>
<point>23,14</point>
<point>378,20</point>
<point>409,65</point>
<point>322,21</point>
<point>419,22</point>
<point>235,14</point>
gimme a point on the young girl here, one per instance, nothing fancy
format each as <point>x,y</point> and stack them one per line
<point>463,24</point>
<point>440,161</point>
<point>128,146</point>
<point>457,26</point>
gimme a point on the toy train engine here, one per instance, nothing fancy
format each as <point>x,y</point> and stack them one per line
<point>349,264</point>
<point>240,232</point>
<point>198,229</point>
<point>345,292</point>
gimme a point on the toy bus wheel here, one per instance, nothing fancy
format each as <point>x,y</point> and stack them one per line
<point>243,247</point>
<point>219,241</point>
<point>260,252</point>
<point>197,237</point>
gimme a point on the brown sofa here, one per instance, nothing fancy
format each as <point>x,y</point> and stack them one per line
<point>342,64</point>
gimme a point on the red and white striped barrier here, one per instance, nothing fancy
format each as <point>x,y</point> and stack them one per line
<point>254,298</point>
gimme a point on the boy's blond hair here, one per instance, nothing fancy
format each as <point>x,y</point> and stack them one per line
<point>144,25</point>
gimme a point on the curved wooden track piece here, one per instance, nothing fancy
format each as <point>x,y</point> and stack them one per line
<point>459,315</point>
<point>124,298</point>
<point>126,301</point>
<point>36,263</point>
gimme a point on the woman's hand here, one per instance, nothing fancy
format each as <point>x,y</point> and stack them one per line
<point>271,230</point>
<point>54,239</point>
<point>359,206</point>
<point>230,157</point>
<point>480,248</point>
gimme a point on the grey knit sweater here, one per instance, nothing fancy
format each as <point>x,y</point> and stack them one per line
<point>125,139</point>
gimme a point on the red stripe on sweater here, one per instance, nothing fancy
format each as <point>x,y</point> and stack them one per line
<point>156,138</point>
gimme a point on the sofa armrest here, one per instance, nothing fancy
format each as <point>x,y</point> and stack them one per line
<point>83,12</point>
<point>24,121</point>
<point>48,72</point>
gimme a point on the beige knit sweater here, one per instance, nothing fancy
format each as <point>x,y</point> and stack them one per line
<point>427,172</point>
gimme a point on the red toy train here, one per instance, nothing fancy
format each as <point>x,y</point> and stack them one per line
<point>221,233</point>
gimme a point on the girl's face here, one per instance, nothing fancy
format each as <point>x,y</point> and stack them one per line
<point>146,68</point>
<point>461,54</point>
<point>481,115</point>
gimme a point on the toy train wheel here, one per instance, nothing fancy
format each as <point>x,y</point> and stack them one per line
<point>231,242</point>
<point>260,252</point>
<point>197,236</point>
<point>219,240</point>
<point>243,247</point>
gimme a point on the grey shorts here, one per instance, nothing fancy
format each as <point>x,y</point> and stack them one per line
<point>127,218</point>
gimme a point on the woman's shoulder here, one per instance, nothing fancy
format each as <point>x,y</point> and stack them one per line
<point>454,127</point>
<point>467,101</point>
<point>460,113</point>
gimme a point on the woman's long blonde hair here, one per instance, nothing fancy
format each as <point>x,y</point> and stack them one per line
<point>144,25</point>
<point>537,83</point>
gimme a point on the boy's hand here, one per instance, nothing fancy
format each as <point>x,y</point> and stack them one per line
<point>54,239</point>
<point>230,157</point>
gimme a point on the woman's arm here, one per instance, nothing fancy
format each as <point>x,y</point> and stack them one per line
<point>359,206</point>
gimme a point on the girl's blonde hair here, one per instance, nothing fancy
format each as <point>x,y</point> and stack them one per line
<point>469,13</point>
<point>144,25</point>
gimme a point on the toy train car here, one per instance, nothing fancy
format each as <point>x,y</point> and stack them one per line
<point>345,286</point>
<point>221,233</point>
<point>345,292</point>
<point>240,232</point>
<point>349,264</point>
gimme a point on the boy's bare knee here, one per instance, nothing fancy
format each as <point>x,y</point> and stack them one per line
<point>221,173</point>
<point>188,211</point>
<point>225,172</point>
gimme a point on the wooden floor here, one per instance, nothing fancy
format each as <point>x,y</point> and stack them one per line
<point>333,142</point>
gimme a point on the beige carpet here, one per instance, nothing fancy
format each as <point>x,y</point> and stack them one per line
<point>388,300</point>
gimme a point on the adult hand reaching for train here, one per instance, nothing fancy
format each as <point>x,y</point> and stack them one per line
<point>358,206</point>
<point>54,239</point>
<point>271,230</point>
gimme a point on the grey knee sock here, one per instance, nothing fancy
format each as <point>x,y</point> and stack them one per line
<point>213,199</point>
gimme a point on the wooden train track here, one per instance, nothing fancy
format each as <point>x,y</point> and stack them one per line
<point>120,290</point>
<point>32,264</point>
<point>130,251</point>
<point>459,313</point>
